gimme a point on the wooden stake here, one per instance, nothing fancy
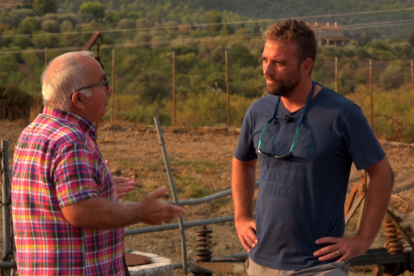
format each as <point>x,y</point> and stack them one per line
<point>371,91</point>
<point>228,90</point>
<point>46,57</point>
<point>174,96</point>
<point>336,75</point>
<point>113,85</point>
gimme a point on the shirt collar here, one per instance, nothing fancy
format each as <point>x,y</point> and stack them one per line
<point>84,124</point>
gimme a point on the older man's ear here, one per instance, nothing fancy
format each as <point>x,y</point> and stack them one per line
<point>77,100</point>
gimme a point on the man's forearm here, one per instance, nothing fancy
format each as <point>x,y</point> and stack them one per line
<point>379,193</point>
<point>243,186</point>
<point>98,213</point>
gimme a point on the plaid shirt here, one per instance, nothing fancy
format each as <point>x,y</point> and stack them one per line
<point>58,163</point>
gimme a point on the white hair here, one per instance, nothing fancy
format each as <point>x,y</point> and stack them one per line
<point>68,75</point>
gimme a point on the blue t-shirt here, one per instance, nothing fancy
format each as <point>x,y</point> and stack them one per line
<point>302,199</point>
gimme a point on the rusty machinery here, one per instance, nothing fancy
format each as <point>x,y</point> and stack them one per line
<point>394,259</point>
<point>95,39</point>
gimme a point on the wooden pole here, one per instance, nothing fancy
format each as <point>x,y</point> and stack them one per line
<point>371,91</point>
<point>336,75</point>
<point>228,91</point>
<point>412,79</point>
<point>113,85</point>
<point>174,96</point>
<point>46,57</point>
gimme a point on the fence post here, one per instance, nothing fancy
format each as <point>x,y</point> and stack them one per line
<point>336,75</point>
<point>6,200</point>
<point>228,91</point>
<point>412,79</point>
<point>113,85</point>
<point>371,92</point>
<point>45,57</point>
<point>174,96</point>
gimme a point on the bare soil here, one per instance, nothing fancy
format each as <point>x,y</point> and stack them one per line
<point>200,160</point>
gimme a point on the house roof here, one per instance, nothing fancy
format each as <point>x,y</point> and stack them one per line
<point>12,4</point>
<point>335,38</point>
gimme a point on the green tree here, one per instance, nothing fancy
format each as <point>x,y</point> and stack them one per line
<point>8,63</point>
<point>410,37</point>
<point>29,25</point>
<point>402,50</point>
<point>126,23</point>
<point>66,26</point>
<point>227,28</point>
<point>95,9</point>
<point>213,17</point>
<point>49,41</point>
<point>392,77</point>
<point>151,86</point>
<point>364,39</point>
<point>51,26</point>
<point>22,42</point>
<point>45,6</point>
<point>70,40</point>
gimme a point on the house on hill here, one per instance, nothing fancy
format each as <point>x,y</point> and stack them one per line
<point>12,4</point>
<point>329,34</point>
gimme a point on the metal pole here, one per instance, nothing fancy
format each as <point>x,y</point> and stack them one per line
<point>371,91</point>
<point>336,75</point>
<point>174,96</point>
<point>6,204</point>
<point>113,85</point>
<point>228,91</point>
<point>46,57</point>
<point>174,193</point>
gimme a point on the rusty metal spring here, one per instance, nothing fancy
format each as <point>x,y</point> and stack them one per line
<point>204,244</point>
<point>394,242</point>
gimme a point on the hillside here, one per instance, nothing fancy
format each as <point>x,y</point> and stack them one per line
<point>309,10</point>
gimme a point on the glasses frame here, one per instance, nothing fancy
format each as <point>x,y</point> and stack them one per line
<point>105,82</point>
<point>295,140</point>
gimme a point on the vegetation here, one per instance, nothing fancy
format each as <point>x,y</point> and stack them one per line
<point>147,35</point>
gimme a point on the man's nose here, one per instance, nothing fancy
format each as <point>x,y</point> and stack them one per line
<point>268,69</point>
<point>110,89</point>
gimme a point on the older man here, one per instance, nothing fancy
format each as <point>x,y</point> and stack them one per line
<point>66,215</point>
<point>305,137</point>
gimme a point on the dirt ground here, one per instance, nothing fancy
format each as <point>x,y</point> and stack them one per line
<point>200,159</point>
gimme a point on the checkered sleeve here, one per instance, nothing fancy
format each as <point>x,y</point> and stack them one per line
<point>75,175</point>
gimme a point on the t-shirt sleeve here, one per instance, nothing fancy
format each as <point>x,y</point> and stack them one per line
<point>74,174</point>
<point>245,150</point>
<point>363,146</point>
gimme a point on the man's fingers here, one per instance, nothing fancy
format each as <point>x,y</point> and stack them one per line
<point>326,240</point>
<point>244,244</point>
<point>158,192</point>
<point>253,224</point>
<point>119,179</point>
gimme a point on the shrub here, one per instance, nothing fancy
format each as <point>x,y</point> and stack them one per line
<point>51,26</point>
<point>29,25</point>
<point>15,104</point>
<point>392,77</point>
<point>22,42</point>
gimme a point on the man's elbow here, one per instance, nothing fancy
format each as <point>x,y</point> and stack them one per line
<point>74,216</point>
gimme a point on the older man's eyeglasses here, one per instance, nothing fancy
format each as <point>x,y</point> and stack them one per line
<point>105,82</point>
<point>295,140</point>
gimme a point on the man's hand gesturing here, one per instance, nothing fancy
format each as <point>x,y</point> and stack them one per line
<point>154,211</point>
